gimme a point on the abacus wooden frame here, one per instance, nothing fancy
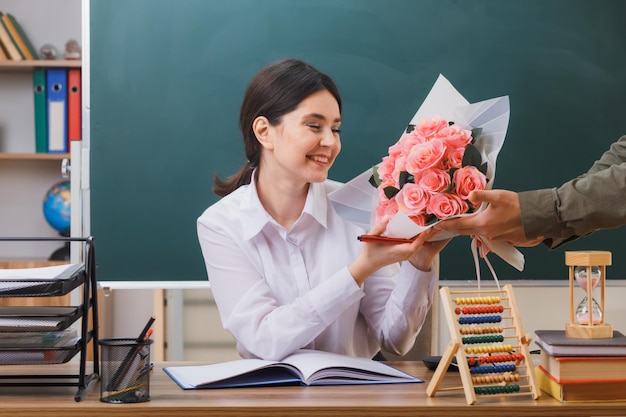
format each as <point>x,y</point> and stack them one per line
<point>454,348</point>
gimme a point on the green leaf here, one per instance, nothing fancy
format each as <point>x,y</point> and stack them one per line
<point>375,178</point>
<point>483,168</point>
<point>450,187</point>
<point>472,157</point>
<point>476,132</point>
<point>410,128</point>
<point>431,219</point>
<point>390,192</point>
<point>404,178</point>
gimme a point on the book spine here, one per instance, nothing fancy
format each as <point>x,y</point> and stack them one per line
<point>28,50</point>
<point>41,116</point>
<point>17,39</point>
<point>11,49</point>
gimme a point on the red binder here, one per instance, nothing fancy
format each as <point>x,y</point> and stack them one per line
<point>73,106</point>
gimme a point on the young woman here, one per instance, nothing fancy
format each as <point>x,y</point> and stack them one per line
<point>287,272</point>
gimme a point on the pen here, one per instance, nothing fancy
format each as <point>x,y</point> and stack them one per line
<point>384,239</point>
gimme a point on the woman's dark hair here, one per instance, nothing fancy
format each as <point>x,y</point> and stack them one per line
<point>273,92</point>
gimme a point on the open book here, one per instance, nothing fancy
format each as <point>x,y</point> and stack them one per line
<point>305,367</point>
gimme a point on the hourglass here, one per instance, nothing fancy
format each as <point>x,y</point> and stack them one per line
<point>588,269</point>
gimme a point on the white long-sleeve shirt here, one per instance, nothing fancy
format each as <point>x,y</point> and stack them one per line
<point>280,290</point>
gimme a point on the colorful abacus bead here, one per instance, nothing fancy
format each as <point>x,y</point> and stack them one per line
<point>497,389</point>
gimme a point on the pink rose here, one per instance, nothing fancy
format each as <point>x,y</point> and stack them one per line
<point>406,142</point>
<point>428,128</point>
<point>425,155</point>
<point>444,205</point>
<point>386,169</point>
<point>395,150</point>
<point>400,166</point>
<point>419,220</point>
<point>454,157</point>
<point>433,180</point>
<point>454,136</point>
<point>468,179</point>
<point>386,207</point>
<point>412,199</point>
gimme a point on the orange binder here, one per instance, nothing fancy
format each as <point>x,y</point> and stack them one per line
<point>73,106</point>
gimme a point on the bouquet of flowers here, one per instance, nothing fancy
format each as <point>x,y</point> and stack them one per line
<point>449,148</point>
<point>430,172</point>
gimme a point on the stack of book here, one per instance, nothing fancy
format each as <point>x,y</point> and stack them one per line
<point>14,44</point>
<point>572,369</point>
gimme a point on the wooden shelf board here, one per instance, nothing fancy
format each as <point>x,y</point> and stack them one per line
<point>34,156</point>
<point>40,63</point>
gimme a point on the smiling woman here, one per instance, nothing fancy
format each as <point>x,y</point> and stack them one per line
<point>300,149</point>
<point>287,272</point>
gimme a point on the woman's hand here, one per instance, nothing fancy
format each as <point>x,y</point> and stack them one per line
<point>424,257</point>
<point>376,255</point>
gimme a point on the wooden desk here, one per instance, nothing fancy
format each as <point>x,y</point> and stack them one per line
<point>346,401</point>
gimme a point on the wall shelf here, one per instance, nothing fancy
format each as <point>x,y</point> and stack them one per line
<point>40,63</point>
<point>34,156</point>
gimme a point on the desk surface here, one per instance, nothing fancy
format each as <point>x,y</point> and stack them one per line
<point>293,401</point>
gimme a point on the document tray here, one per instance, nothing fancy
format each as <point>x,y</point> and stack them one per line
<point>37,319</point>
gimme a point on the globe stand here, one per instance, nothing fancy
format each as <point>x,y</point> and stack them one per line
<point>62,253</point>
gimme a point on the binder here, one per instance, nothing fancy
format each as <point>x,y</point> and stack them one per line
<point>56,83</point>
<point>73,105</point>
<point>19,37</point>
<point>5,39</point>
<point>41,113</point>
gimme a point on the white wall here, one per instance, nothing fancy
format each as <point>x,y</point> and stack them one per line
<point>543,305</point>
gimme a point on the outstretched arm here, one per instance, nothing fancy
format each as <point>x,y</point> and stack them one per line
<point>501,220</point>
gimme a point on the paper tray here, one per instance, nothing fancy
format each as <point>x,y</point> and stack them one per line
<point>36,319</point>
<point>31,287</point>
<point>53,355</point>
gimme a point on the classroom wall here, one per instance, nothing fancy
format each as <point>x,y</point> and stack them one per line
<point>193,330</point>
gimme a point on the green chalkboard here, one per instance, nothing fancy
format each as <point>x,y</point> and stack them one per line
<point>167,78</point>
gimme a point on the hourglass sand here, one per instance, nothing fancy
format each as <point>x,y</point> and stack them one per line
<point>582,311</point>
<point>588,268</point>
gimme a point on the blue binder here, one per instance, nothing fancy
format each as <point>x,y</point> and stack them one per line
<point>56,79</point>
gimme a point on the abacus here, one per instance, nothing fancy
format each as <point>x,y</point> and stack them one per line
<point>489,344</point>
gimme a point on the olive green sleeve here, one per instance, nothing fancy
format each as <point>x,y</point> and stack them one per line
<point>596,200</point>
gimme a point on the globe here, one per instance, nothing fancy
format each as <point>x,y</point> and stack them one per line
<point>56,207</point>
